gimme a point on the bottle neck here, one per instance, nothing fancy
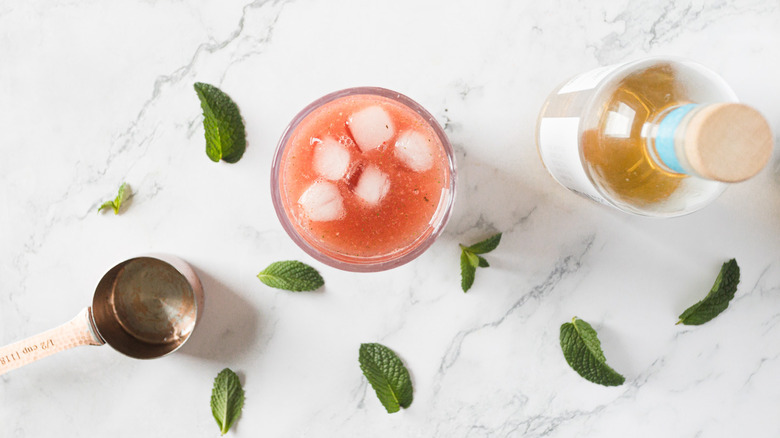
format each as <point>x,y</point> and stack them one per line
<point>666,145</point>
<point>727,141</point>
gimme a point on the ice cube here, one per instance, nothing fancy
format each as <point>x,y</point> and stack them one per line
<point>331,159</point>
<point>322,202</point>
<point>370,127</point>
<point>372,185</point>
<point>414,150</point>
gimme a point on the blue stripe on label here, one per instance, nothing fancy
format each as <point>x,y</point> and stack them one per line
<point>664,139</point>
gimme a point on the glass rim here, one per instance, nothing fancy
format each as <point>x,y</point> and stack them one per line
<point>385,261</point>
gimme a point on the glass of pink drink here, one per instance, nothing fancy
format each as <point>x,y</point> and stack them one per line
<point>363,179</point>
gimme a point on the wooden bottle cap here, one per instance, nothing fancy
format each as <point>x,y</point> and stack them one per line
<point>728,142</point>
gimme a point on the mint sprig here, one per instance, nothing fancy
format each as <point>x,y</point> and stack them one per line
<point>227,399</point>
<point>291,275</point>
<point>470,260</point>
<point>582,350</point>
<point>225,133</point>
<point>387,375</point>
<point>116,203</point>
<point>717,300</point>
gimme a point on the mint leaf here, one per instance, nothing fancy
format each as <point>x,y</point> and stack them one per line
<point>291,275</point>
<point>470,261</point>
<point>227,399</point>
<point>387,375</point>
<point>122,195</point>
<point>225,133</point>
<point>473,259</point>
<point>467,271</point>
<point>486,245</point>
<point>582,350</point>
<point>717,300</point>
<point>108,204</point>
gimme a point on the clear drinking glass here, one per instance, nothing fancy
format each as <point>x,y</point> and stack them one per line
<point>363,179</point>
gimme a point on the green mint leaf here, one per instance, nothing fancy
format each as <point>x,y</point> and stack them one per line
<point>467,271</point>
<point>227,399</point>
<point>717,300</point>
<point>473,258</point>
<point>225,133</point>
<point>486,245</point>
<point>122,195</point>
<point>116,204</point>
<point>291,275</point>
<point>582,350</point>
<point>107,205</point>
<point>470,261</point>
<point>387,375</point>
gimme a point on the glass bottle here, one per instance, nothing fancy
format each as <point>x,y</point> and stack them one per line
<point>655,137</point>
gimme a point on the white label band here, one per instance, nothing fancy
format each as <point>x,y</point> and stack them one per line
<point>559,148</point>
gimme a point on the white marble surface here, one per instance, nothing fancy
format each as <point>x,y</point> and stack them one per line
<point>95,93</point>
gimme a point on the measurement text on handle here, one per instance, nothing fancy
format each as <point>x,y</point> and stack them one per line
<point>17,355</point>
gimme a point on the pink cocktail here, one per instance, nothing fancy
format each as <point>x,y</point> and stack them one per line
<point>363,179</point>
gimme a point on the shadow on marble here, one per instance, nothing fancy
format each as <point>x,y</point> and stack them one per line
<point>228,327</point>
<point>617,350</point>
<point>490,199</point>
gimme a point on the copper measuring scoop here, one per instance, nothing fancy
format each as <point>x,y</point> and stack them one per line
<point>144,307</point>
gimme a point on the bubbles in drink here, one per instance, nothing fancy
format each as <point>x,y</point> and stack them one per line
<point>347,142</point>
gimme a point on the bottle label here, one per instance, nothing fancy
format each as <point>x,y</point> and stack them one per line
<point>560,151</point>
<point>588,80</point>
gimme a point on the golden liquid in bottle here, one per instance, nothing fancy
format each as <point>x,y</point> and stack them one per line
<point>616,152</point>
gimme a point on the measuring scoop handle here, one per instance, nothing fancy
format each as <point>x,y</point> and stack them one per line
<point>73,333</point>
